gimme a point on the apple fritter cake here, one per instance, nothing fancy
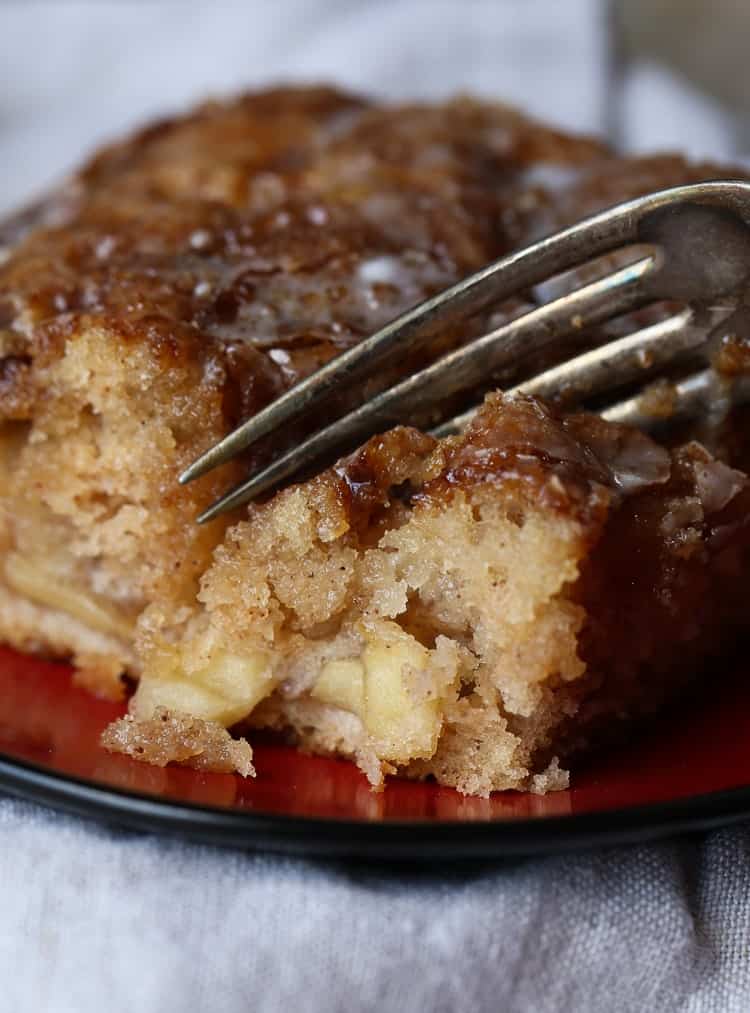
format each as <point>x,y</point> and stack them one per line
<point>475,609</point>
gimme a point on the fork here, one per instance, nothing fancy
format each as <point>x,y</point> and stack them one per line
<point>692,247</point>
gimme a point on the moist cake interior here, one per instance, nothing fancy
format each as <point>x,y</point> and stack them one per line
<point>473,609</point>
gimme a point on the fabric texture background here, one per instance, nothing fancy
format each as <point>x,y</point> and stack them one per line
<point>97,919</point>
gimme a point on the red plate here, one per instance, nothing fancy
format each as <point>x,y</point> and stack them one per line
<point>691,770</point>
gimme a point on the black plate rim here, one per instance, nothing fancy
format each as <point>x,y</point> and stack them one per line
<point>371,840</point>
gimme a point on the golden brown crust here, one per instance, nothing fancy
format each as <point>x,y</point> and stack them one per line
<point>292,221</point>
<point>252,240</point>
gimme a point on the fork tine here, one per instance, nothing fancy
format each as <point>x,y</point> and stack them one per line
<point>414,329</point>
<point>587,375</point>
<point>637,356</point>
<point>456,372</point>
<point>634,357</point>
<point>692,396</point>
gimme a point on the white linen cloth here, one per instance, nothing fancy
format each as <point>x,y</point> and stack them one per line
<point>96,919</point>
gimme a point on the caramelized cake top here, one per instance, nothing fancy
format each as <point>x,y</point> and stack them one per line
<point>263,235</point>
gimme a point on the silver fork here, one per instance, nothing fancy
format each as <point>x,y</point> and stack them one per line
<point>693,247</point>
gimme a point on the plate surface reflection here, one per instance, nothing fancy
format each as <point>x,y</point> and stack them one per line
<point>46,720</point>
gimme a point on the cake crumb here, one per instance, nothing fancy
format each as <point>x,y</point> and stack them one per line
<point>179,738</point>
<point>554,778</point>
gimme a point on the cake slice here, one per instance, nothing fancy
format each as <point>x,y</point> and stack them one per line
<point>475,609</point>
